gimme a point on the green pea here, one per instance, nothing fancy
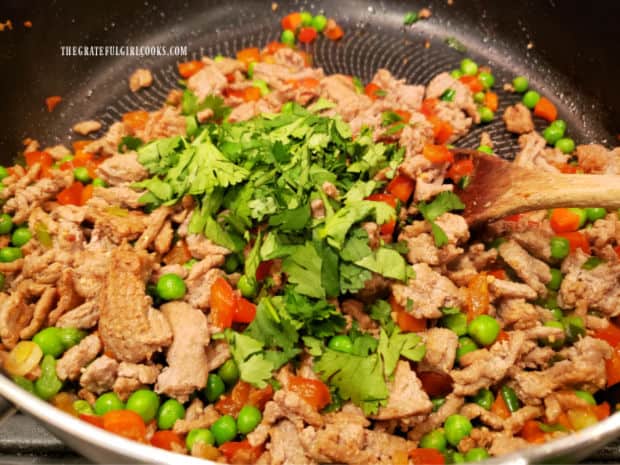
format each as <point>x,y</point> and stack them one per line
<point>557,313</point>
<point>288,37</point>
<point>484,398</point>
<point>190,263</point>
<point>98,182</point>
<point>582,214</point>
<point>49,341</point>
<point>145,403</point>
<point>531,98</point>
<point>484,329</point>
<point>456,74</point>
<point>436,439</point>
<point>71,336</point>
<point>565,145</point>
<point>3,172</point>
<point>556,279</point>
<point>21,236</point>
<point>319,22</point>
<point>520,84</point>
<point>232,263</point>
<point>573,328</point>
<point>169,412</point>
<point>560,124</point>
<point>485,149</point>
<point>466,345</point>
<point>199,435</point>
<point>6,223</point>
<point>218,58</point>
<point>229,372</point>
<point>560,247</point>
<point>476,454</point>
<point>224,429</point>
<point>585,395</point>
<point>594,214</point>
<point>552,134</point>
<point>171,286</point>
<point>469,67</point>
<point>479,97</point>
<point>550,301</point>
<point>247,286</point>
<point>341,343</point>
<point>486,114</point>
<point>457,427</point>
<point>454,457</point>
<point>47,384</point>
<point>24,383</point>
<point>81,174</point>
<point>437,403</point>
<point>215,387</point>
<point>510,398</point>
<point>456,322</point>
<point>487,79</point>
<point>306,18</point>
<point>10,254</point>
<point>248,419</point>
<point>108,402</point>
<point>83,407</point>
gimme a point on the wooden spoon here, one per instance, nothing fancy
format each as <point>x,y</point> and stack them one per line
<point>500,188</point>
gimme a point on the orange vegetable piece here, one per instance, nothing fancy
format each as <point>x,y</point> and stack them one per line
<point>125,423</point>
<point>245,311</point>
<point>460,168</point>
<point>179,254</point>
<point>617,250</point>
<point>241,452</point>
<point>371,90</point>
<point>136,119</point>
<point>71,195</point>
<point>291,21</point>
<point>79,145</point>
<point>491,101</point>
<point>437,153</point>
<point>404,114</point>
<point>576,240</point>
<point>427,456</point>
<point>42,158</point>
<point>477,302</point>
<point>405,321</point>
<point>223,302</point>
<point>546,109</point>
<point>87,193</point>
<point>503,336</point>
<point>611,334</point>
<point>165,438</point>
<point>307,35</point>
<point>273,47</point>
<point>251,94</point>
<point>532,433</point>
<point>474,84</point>
<point>401,187</point>
<point>92,419</point>
<point>188,68</point>
<point>52,101</point>
<point>499,273</point>
<point>248,55</point>
<point>428,106</point>
<point>386,198</point>
<point>602,410</point>
<point>564,220</point>
<point>499,407</point>
<point>333,31</point>
<point>612,368</point>
<point>313,391</point>
<point>306,83</point>
<point>243,394</point>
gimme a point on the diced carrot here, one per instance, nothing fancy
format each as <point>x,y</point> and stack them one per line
<point>405,115</point>
<point>222,302</point>
<point>291,21</point>
<point>126,423</point>
<point>386,198</point>
<point>248,55</point>
<point>567,168</point>
<point>42,158</point>
<point>72,195</point>
<point>245,311</point>
<point>546,109</point>
<point>503,336</point>
<point>333,31</point>
<point>474,84</point>
<point>179,254</point>
<point>576,240</point>
<point>611,334</point>
<point>373,91</point>
<point>426,456</point>
<point>532,433</point>
<point>241,451</point>
<point>499,273</point>
<point>617,250</point>
<point>52,101</point>
<point>405,321</point>
<point>401,187</point>
<point>460,168</point>
<point>243,394</point>
<point>602,410</point>
<point>491,100</point>
<point>306,83</point>
<point>165,439</point>
<point>87,194</point>
<point>428,106</point>
<point>564,220</point>
<point>80,145</point>
<point>437,153</point>
<point>92,419</point>
<point>188,68</point>
<point>273,47</point>
<point>513,218</point>
<point>313,391</point>
<point>477,302</point>
<point>499,407</point>
<point>564,421</point>
<point>136,119</point>
<point>307,57</point>
<point>612,368</point>
<point>251,94</point>
<point>307,35</point>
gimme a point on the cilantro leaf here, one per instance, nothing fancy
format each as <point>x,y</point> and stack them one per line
<point>191,106</point>
<point>356,246</point>
<point>409,345</point>
<point>357,83</point>
<point>444,202</point>
<point>386,262</point>
<point>129,143</point>
<point>317,318</point>
<point>352,277</point>
<point>295,219</point>
<point>439,235</point>
<point>381,311</point>
<point>390,117</point>
<point>303,268</point>
<point>272,328</point>
<point>254,368</point>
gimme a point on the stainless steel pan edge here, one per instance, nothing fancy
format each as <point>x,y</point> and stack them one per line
<point>103,447</point>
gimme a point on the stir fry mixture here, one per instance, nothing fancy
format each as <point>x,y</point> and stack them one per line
<point>272,268</point>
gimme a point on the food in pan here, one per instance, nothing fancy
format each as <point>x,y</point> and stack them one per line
<point>272,268</point>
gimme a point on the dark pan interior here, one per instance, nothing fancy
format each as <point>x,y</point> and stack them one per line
<point>568,48</point>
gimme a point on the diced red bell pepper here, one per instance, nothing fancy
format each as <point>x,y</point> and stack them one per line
<point>546,109</point>
<point>576,240</point>
<point>189,68</point>
<point>241,452</point>
<point>307,35</point>
<point>371,90</point>
<point>313,391</point>
<point>611,334</point>
<point>460,168</point>
<point>245,311</point>
<point>52,101</point>
<point>426,456</point>
<point>291,21</point>
<point>223,301</point>
<point>401,187</point>
<point>437,153</point>
<point>164,439</point>
<point>72,195</point>
<point>126,423</point>
<point>248,55</point>
<point>477,302</point>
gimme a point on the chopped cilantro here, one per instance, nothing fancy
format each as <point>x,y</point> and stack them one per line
<point>129,143</point>
<point>410,18</point>
<point>591,263</point>
<point>455,44</point>
<point>443,203</point>
<point>357,83</point>
<point>390,117</point>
